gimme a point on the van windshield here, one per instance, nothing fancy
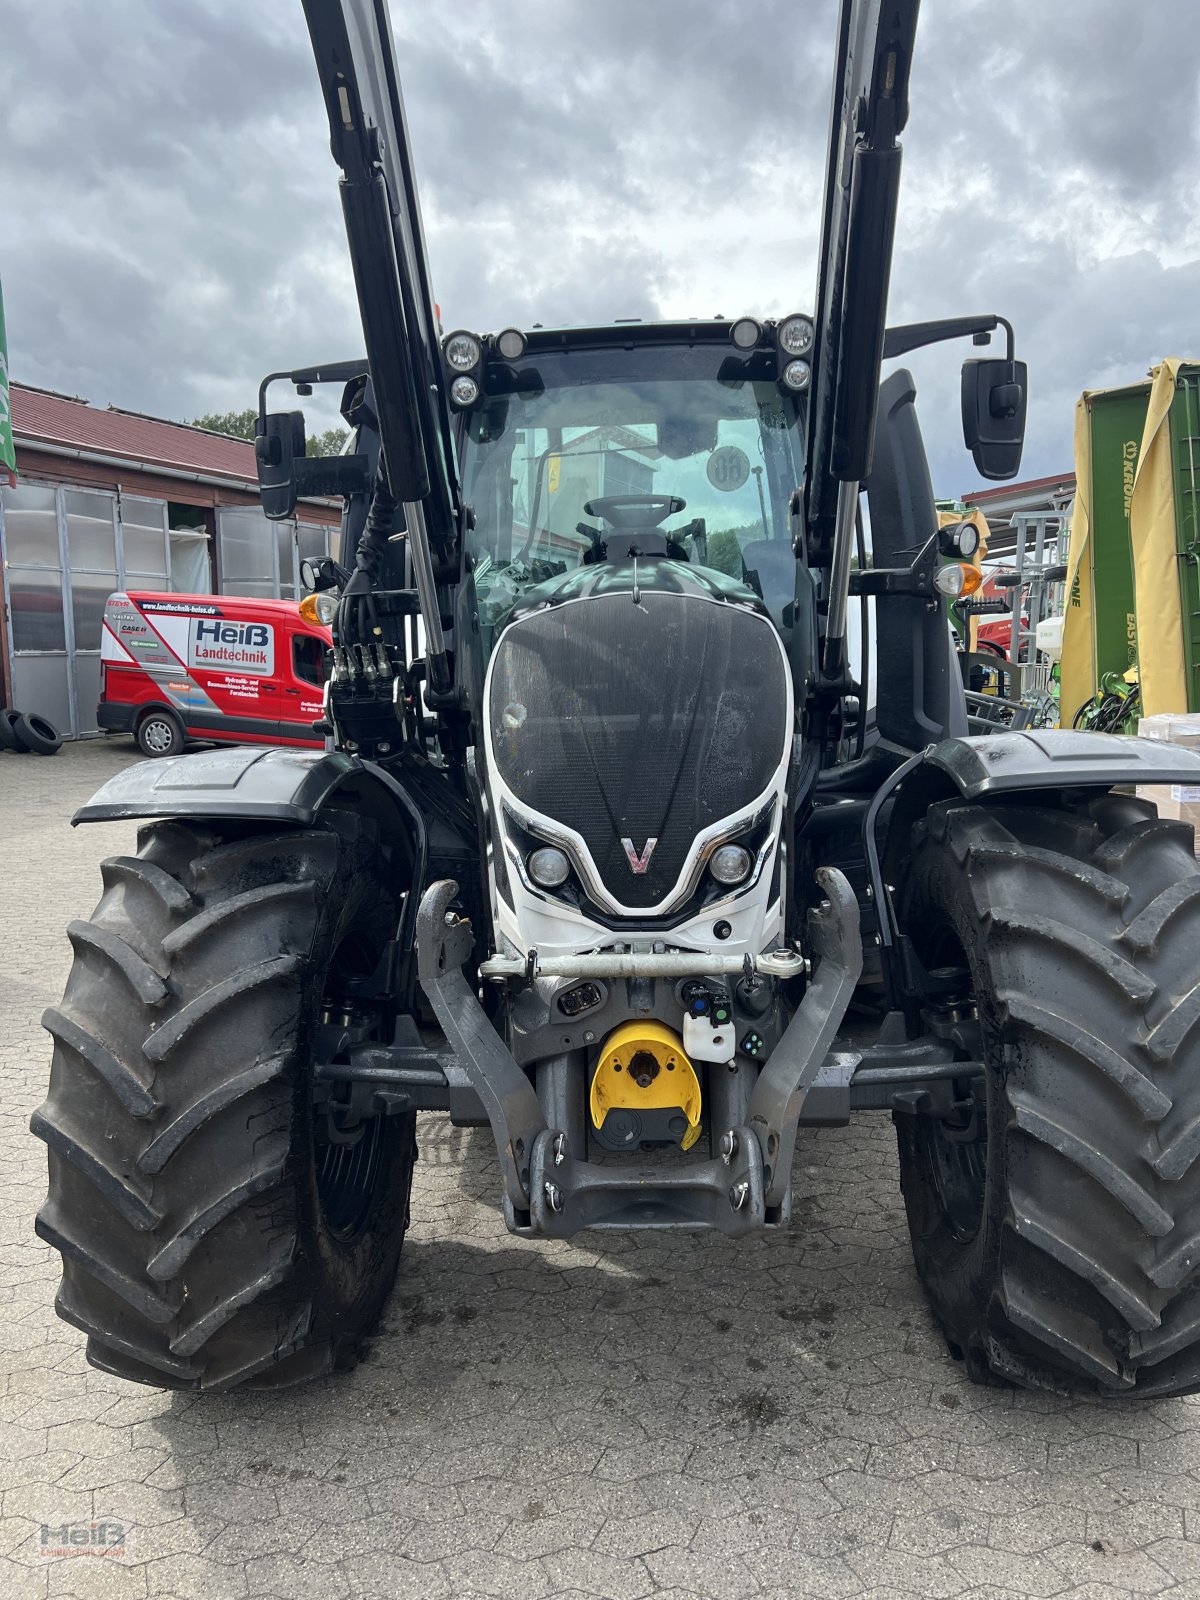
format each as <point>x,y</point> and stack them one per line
<point>703,446</point>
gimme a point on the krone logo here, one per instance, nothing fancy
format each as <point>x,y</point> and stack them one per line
<point>638,863</point>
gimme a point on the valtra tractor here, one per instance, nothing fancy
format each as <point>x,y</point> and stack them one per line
<point>616,849</point>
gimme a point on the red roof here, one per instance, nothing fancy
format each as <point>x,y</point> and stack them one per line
<point>41,417</point>
<point>1062,480</point>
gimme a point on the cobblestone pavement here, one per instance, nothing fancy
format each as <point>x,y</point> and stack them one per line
<point>616,1417</point>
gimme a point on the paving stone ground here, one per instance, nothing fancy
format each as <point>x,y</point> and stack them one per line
<point>620,1416</point>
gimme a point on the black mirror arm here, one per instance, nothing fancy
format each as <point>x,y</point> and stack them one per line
<point>916,335</point>
<point>328,372</point>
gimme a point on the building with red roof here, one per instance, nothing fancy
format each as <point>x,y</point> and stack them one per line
<point>1013,511</point>
<point>109,499</point>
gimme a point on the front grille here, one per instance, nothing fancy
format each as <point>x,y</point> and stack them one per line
<point>643,721</point>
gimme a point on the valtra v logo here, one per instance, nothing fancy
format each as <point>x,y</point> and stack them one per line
<point>638,863</point>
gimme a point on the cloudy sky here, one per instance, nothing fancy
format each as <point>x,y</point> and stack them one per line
<point>170,229</point>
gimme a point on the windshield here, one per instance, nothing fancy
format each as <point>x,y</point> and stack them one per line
<point>591,445</point>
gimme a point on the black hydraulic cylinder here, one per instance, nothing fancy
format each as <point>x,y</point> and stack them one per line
<point>870,108</point>
<point>874,191</point>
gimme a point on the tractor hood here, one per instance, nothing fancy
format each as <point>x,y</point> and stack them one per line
<point>636,727</point>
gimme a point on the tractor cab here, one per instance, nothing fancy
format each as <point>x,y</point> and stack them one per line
<point>630,445</point>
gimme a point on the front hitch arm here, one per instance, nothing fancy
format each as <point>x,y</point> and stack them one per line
<point>778,1096</point>
<point>443,944</point>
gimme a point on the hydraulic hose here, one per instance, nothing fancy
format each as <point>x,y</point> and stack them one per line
<point>356,610</point>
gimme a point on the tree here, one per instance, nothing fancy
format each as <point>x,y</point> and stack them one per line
<point>238,423</point>
<point>328,443</point>
<point>241,425</point>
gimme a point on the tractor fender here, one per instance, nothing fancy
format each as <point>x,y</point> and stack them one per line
<point>1006,764</point>
<point>261,785</point>
<point>1059,758</point>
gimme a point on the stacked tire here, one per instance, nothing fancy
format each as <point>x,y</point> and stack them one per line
<point>26,733</point>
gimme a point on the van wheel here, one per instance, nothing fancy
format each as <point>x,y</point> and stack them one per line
<point>160,733</point>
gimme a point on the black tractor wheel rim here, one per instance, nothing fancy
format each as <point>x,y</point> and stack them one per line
<point>956,1165</point>
<point>347,1174</point>
<point>346,1177</point>
<point>958,1171</point>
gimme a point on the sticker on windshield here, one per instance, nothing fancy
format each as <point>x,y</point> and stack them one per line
<point>728,468</point>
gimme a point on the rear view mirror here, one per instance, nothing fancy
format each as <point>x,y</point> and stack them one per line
<point>687,436</point>
<point>285,472</point>
<point>279,442</point>
<point>994,398</point>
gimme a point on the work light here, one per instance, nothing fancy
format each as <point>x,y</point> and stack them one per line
<point>795,336</point>
<point>959,539</point>
<point>463,351</point>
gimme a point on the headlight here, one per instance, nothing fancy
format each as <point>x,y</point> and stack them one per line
<point>548,867</point>
<point>745,333</point>
<point>464,391</point>
<point>730,864</point>
<point>795,336</point>
<point>511,344</point>
<point>463,351</point>
<point>797,375</point>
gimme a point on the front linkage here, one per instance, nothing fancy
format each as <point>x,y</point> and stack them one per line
<point>550,1188</point>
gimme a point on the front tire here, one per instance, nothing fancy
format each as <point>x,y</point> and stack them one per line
<point>1055,1219</point>
<point>211,1234</point>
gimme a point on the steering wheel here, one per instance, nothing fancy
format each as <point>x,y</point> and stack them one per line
<point>628,513</point>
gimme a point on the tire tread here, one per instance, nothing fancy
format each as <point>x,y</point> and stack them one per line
<point>1075,918</point>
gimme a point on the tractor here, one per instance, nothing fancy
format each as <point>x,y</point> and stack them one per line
<point>616,848</point>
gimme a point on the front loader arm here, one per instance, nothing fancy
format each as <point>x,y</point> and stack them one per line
<point>862,179</point>
<point>352,43</point>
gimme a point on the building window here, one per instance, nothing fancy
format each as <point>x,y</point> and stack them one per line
<point>92,555</point>
<point>314,540</point>
<point>144,544</point>
<point>34,568</point>
<point>258,557</point>
<point>247,552</point>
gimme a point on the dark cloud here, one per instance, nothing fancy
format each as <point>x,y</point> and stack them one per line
<point>171,228</point>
